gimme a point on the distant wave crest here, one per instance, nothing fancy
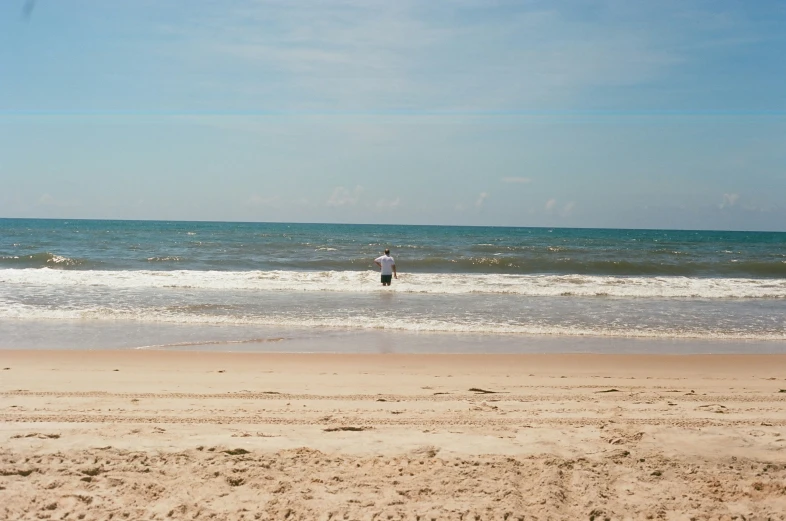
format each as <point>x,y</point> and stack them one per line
<point>42,260</point>
<point>169,258</point>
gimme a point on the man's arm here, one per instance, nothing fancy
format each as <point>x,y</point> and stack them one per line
<point>378,264</point>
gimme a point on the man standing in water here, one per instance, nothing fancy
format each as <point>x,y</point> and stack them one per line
<point>388,266</point>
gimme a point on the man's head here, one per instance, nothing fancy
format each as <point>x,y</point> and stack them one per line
<point>387,251</point>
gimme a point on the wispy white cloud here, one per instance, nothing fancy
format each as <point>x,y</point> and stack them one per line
<point>729,200</point>
<point>344,197</point>
<point>566,210</point>
<point>388,204</point>
<point>554,208</point>
<point>347,55</point>
<point>481,199</point>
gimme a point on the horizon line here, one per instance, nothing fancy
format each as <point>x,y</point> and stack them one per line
<point>391,224</point>
<point>393,112</point>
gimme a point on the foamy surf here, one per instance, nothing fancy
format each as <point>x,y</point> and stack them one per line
<point>210,281</point>
<point>601,326</point>
<point>424,283</point>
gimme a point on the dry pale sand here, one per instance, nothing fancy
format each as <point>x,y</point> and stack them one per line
<point>162,435</point>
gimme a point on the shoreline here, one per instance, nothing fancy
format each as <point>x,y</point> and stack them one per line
<point>187,435</point>
<point>38,335</point>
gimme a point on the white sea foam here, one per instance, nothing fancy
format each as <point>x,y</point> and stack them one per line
<point>381,323</point>
<point>426,283</point>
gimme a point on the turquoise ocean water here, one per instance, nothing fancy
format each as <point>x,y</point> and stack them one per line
<point>277,286</point>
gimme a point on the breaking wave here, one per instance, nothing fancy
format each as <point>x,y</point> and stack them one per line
<point>424,283</point>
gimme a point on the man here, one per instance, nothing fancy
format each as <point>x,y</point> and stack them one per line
<point>388,267</point>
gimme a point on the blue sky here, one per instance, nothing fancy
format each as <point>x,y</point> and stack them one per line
<point>618,113</point>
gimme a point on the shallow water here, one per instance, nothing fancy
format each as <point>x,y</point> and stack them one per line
<point>206,283</point>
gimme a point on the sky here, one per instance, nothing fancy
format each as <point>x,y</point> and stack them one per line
<point>574,113</point>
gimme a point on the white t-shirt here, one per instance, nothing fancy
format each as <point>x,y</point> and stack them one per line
<point>387,263</point>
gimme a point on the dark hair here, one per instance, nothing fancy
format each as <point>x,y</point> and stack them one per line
<point>387,251</point>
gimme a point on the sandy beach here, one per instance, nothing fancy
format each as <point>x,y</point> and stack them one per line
<point>178,435</point>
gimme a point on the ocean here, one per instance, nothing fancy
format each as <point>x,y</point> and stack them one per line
<point>97,284</point>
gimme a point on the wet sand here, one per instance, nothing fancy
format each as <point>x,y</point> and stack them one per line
<point>179,435</point>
